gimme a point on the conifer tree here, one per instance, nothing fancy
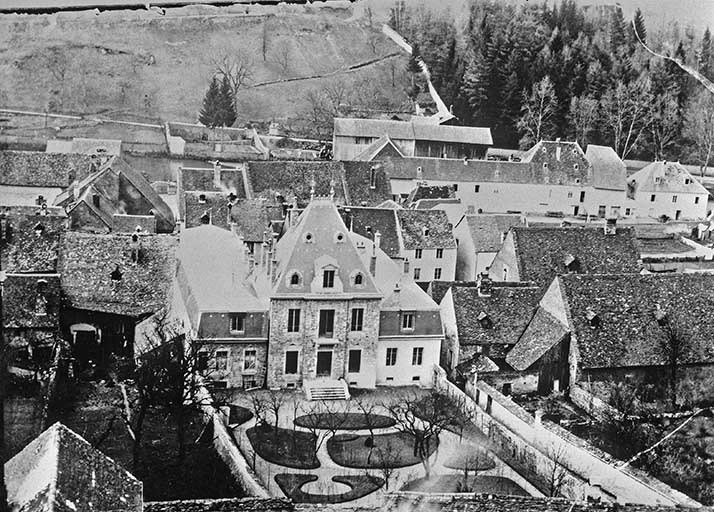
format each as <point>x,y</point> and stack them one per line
<point>210,112</point>
<point>640,25</point>
<point>226,102</point>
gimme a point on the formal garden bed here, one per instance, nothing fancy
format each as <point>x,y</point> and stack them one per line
<point>290,448</point>
<point>482,484</point>
<point>354,451</point>
<point>360,485</point>
<point>345,421</point>
<point>239,415</point>
<point>470,459</point>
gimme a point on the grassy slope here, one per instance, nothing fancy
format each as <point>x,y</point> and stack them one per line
<point>158,67</point>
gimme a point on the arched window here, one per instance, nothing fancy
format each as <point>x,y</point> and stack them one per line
<point>358,279</point>
<point>295,279</point>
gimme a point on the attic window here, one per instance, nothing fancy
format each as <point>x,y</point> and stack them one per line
<point>339,237</point>
<point>484,320</point>
<point>658,180</point>
<point>425,231</point>
<point>359,279</point>
<point>116,274</point>
<point>545,150</point>
<point>308,238</point>
<point>206,218</point>
<point>96,200</point>
<point>545,165</point>
<point>575,151</point>
<point>202,199</point>
<point>687,181</point>
<point>577,180</point>
<point>571,262</point>
<point>593,318</point>
<point>294,279</point>
<point>39,229</point>
<point>576,166</point>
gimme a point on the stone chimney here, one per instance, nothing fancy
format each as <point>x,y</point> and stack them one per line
<point>135,249</point>
<point>406,266</point>
<point>484,285</point>
<point>377,239</point>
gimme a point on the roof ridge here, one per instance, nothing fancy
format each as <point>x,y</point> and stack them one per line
<point>400,236</point>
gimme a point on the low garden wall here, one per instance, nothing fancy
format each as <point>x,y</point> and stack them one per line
<point>594,406</point>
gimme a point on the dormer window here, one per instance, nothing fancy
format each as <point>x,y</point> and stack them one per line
<point>339,237</point>
<point>116,274</point>
<point>571,263</point>
<point>593,318</point>
<point>39,229</point>
<point>576,166</point>
<point>687,181</point>
<point>202,199</point>
<point>484,320</point>
<point>328,278</point>
<point>545,166</point>
<point>308,238</point>
<point>425,231</point>
<point>295,279</point>
<point>658,180</point>
<point>544,150</point>
<point>206,218</point>
<point>359,279</point>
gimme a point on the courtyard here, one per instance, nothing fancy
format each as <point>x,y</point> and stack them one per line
<point>353,450</point>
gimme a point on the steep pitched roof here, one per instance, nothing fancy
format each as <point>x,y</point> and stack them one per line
<point>425,229</point>
<point>609,171</point>
<point>541,251</point>
<point>381,148</point>
<point>294,178</point>
<point>543,332</point>
<point>665,176</point>
<point>23,294</point>
<point>487,231</point>
<point>320,238</point>
<point>410,130</point>
<point>40,169</point>
<point>60,471</point>
<point>628,333</point>
<point>368,221</point>
<point>31,242</point>
<point>87,262</point>
<point>361,189</point>
<point>212,273</point>
<point>496,319</point>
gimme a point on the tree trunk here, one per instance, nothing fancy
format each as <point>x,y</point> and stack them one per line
<point>181,432</point>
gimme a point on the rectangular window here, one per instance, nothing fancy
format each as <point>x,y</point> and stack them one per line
<point>328,279</point>
<point>570,195</point>
<point>408,321</point>
<point>221,360</point>
<point>291,362</point>
<point>249,360</point>
<point>354,361</point>
<point>456,187</point>
<point>696,200</point>
<point>674,199</point>
<point>437,273</point>
<point>477,188</point>
<point>372,177</point>
<point>417,254</point>
<point>652,198</point>
<point>327,321</point>
<point>601,210</point>
<point>439,253</point>
<point>417,273</point>
<point>357,318</point>
<point>582,196</point>
<point>238,323</point>
<point>627,211</point>
<point>391,357</point>
<point>417,356</point>
<point>293,320</point>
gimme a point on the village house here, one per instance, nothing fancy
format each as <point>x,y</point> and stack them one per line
<point>602,328</point>
<point>372,139</point>
<point>29,178</point>
<point>667,189</point>
<point>421,240</point>
<point>538,254</point>
<point>115,198</point>
<point>482,322</point>
<point>110,282</point>
<point>478,238</point>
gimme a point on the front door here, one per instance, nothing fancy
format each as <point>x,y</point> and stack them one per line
<point>324,363</point>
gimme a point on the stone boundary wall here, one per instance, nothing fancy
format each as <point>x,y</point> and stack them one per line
<point>593,405</point>
<point>534,443</point>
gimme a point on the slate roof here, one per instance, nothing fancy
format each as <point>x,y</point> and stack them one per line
<point>60,472</point>
<point>543,332</point>
<point>410,130</point>
<point>477,364</point>
<point>430,204</point>
<point>192,179</point>
<point>21,294</point>
<point>609,171</point>
<point>629,334</point>
<point>416,223</point>
<point>200,179</point>
<point>453,170</point>
<point>358,187</point>
<point>431,192</point>
<point>382,147</point>
<point>508,308</point>
<point>212,273</point>
<point>22,249</point>
<point>87,261</point>
<point>541,251</point>
<point>487,231</point>
<point>673,178</point>
<point>437,289</point>
<point>293,178</point>
<point>383,220</point>
<point>40,169</point>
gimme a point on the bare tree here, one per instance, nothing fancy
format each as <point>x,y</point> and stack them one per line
<point>583,117</point>
<point>626,113</point>
<point>424,418</point>
<point>324,105</point>
<point>674,343</point>
<point>556,471</point>
<point>259,406</point>
<point>281,55</point>
<point>387,461</point>
<point>237,67</point>
<point>276,399</point>
<point>665,126</point>
<point>699,128</point>
<point>323,419</point>
<point>537,112</point>
<point>369,413</point>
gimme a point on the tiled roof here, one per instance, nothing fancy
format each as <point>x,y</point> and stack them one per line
<point>430,204</point>
<point>543,332</point>
<point>477,364</point>
<point>24,293</point>
<point>426,229</point>
<point>293,178</point>
<point>60,471</point>
<point>222,505</point>
<point>382,147</point>
<point>406,296</point>
<point>541,251</point>
<point>193,179</point>
<point>40,169</point>
<point>609,171</point>
<point>411,131</point>
<point>487,231</point>
<point>376,219</point>
<point>508,310</point>
<point>23,249</point>
<point>454,171</point>
<point>359,188</point>
<point>87,262</point>
<point>437,289</point>
<point>628,334</point>
<point>431,192</point>
<point>667,177</point>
